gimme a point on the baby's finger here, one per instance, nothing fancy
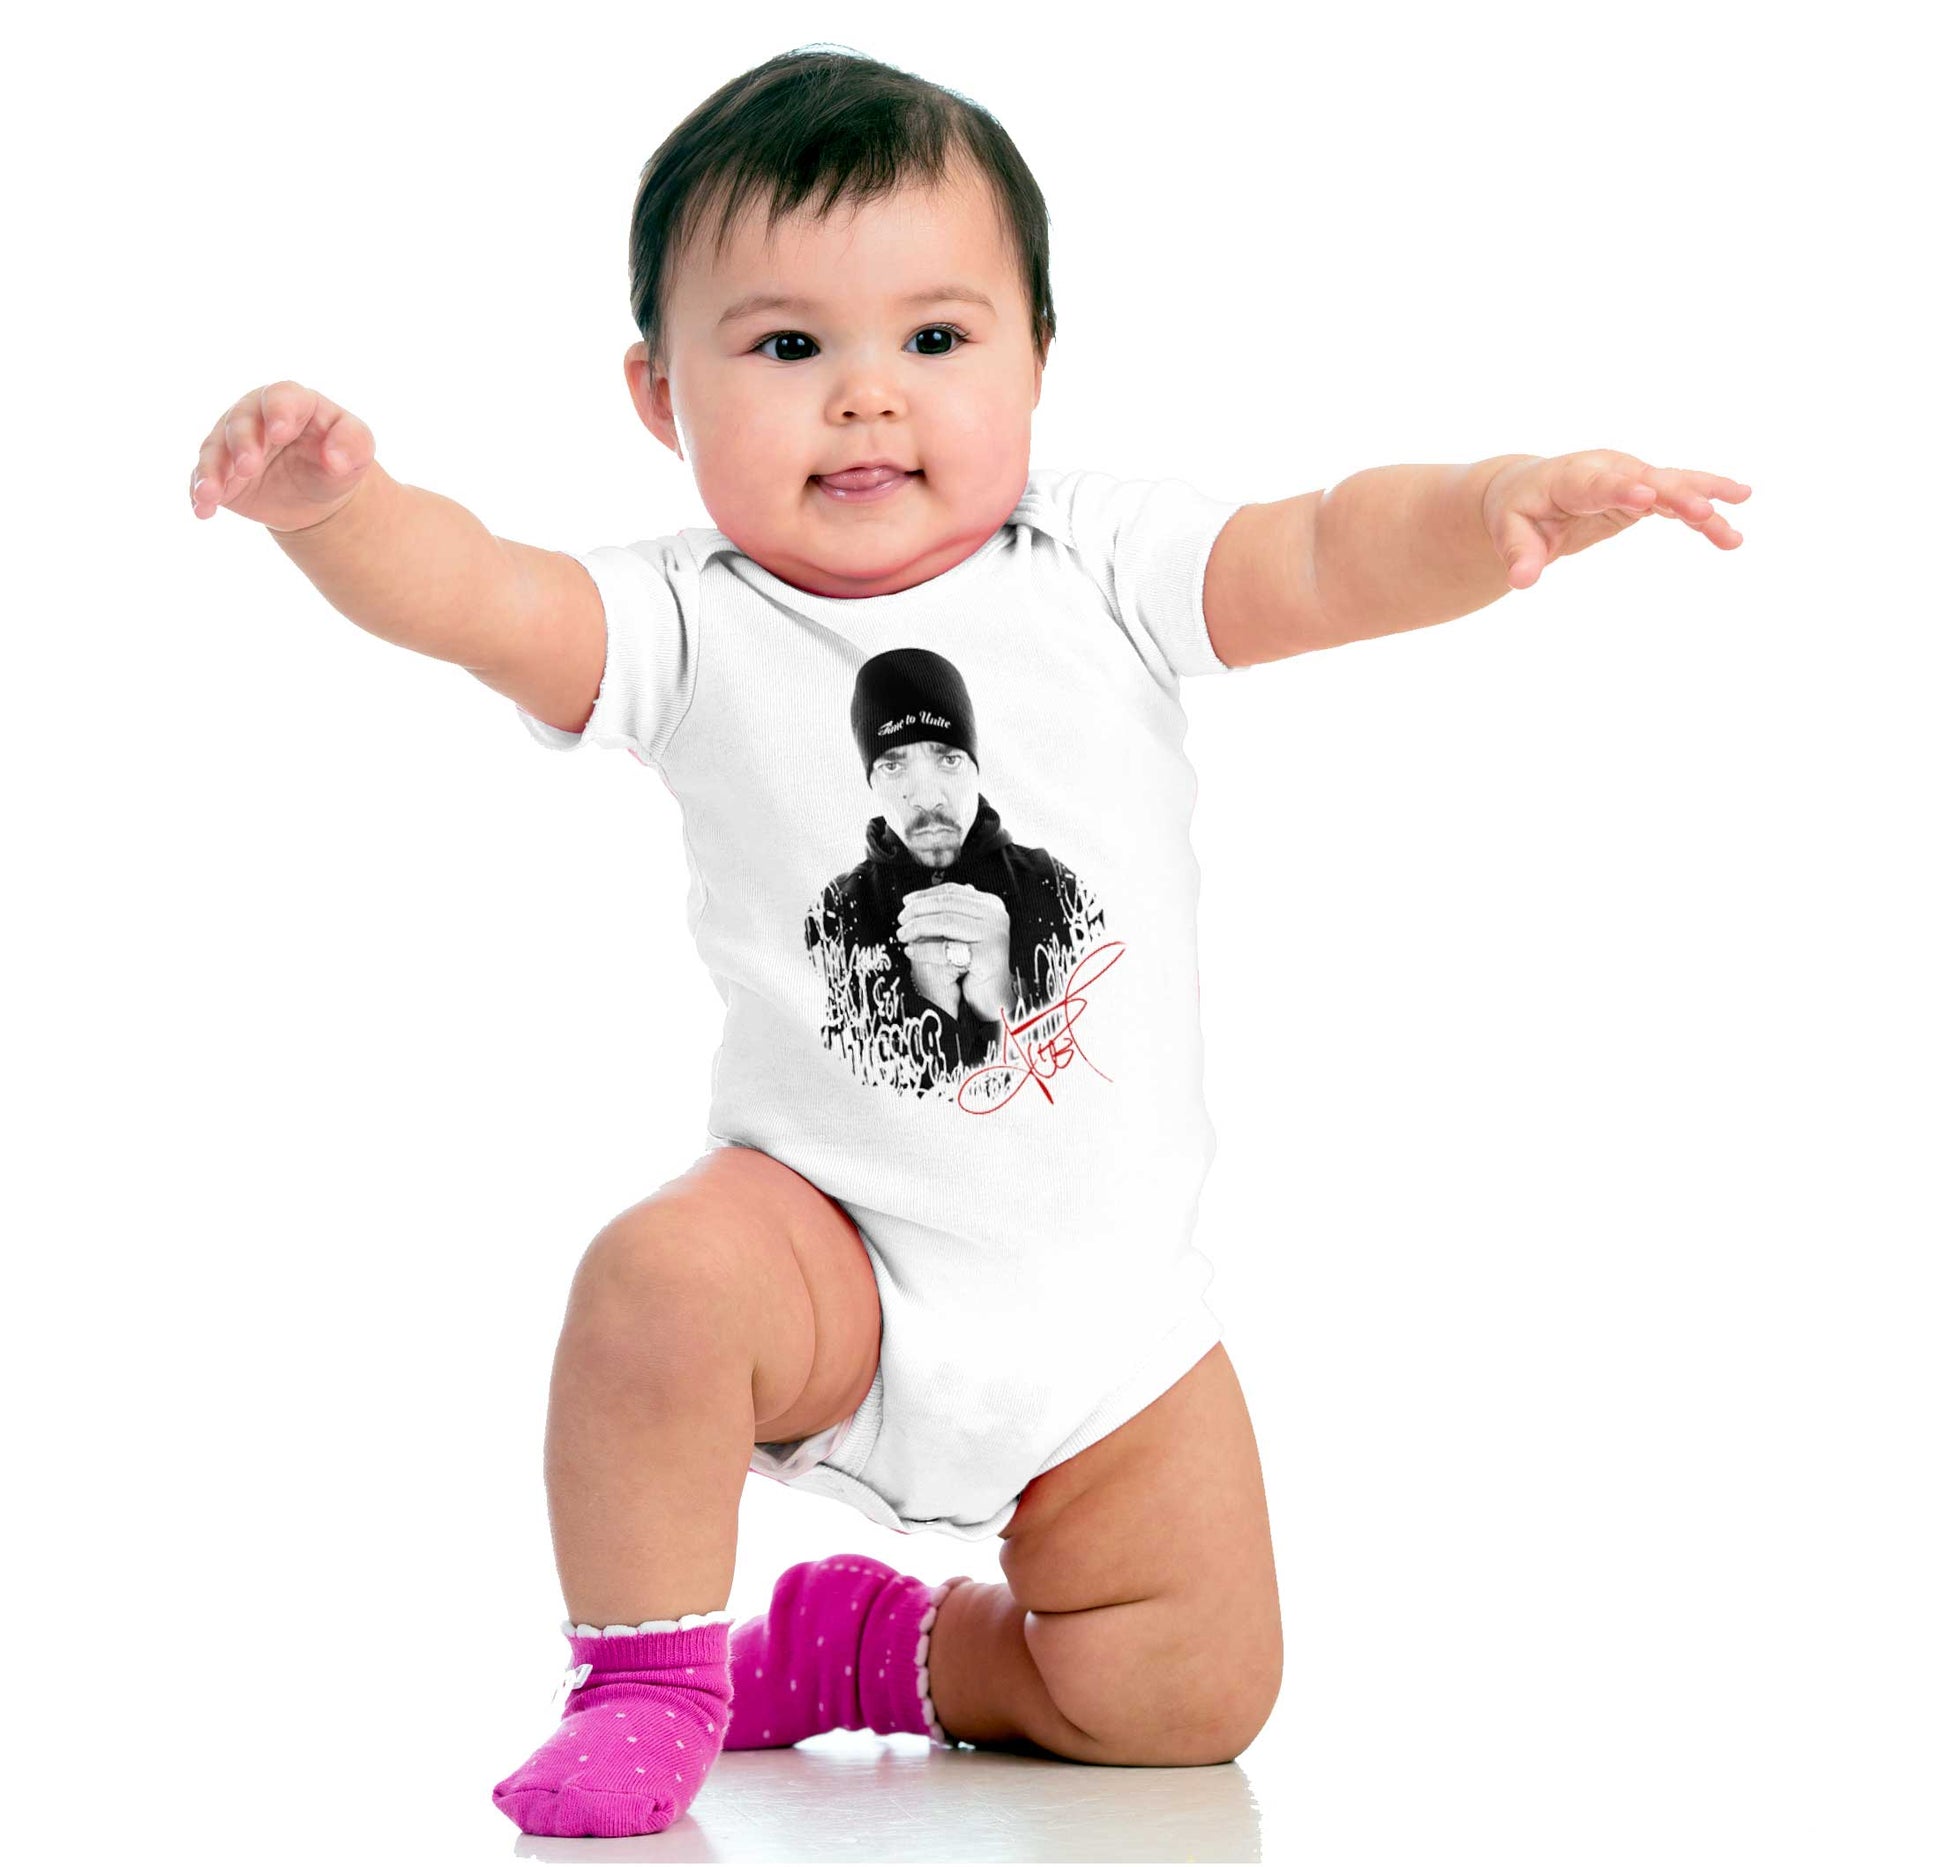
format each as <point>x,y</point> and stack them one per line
<point>1718,530</point>
<point>1700,516</point>
<point>1611,490</point>
<point>243,436</point>
<point>285,408</point>
<point>210,475</point>
<point>1523,549</point>
<point>1584,484</point>
<point>346,443</point>
<point>1710,485</point>
<point>252,443</point>
<point>1683,494</point>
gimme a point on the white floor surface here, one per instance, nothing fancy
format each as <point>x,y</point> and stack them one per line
<point>848,1797</point>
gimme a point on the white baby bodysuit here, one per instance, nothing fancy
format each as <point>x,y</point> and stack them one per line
<point>1011,1112</point>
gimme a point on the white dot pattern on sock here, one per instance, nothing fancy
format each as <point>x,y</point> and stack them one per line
<point>529,1795</point>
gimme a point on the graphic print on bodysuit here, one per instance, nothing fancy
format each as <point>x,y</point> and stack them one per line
<point>952,958</point>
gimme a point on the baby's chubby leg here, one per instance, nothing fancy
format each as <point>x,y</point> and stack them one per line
<point>1138,1623</point>
<point>735,1304</point>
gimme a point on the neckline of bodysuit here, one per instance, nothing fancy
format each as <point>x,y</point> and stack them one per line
<point>747,568</point>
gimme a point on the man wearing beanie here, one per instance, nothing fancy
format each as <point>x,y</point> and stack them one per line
<point>948,933</point>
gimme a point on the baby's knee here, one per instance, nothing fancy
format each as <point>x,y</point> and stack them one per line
<point>1158,1681</point>
<point>681,1268</point>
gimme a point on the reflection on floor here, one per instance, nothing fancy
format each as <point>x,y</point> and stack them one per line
<point>853,1797</point>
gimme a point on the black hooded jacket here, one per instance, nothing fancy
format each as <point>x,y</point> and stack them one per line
<point>1051,915</point>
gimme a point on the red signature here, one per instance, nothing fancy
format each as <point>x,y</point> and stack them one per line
<point>1048,1054</point>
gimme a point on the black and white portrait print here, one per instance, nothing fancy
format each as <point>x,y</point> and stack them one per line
<point>948,935</point>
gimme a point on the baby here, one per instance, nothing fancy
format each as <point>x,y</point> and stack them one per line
<point>920,705</point>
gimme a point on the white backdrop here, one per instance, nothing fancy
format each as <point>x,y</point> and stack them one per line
<point>1571,971</point>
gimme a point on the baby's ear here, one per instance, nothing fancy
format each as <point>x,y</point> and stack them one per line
<point>635,371</point>
<point>642,392</point>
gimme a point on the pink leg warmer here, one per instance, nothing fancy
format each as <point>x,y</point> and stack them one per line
<point>644,1720</point>
<point>842,1648</point>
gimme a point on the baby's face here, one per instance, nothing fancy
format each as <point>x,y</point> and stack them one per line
<point>863,369</point>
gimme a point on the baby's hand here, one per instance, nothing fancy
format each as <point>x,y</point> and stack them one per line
<point>1539,510</point>
<point>285,456</point>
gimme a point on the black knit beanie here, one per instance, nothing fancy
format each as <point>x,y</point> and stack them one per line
<point>907,695</point>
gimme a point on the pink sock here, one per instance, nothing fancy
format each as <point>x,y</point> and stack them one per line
<point>843,1648</point>
<point>644,1720</point>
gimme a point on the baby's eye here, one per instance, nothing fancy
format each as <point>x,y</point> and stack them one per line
<point>778,337</point>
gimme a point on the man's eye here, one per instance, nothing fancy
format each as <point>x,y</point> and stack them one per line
<point>778,337</point>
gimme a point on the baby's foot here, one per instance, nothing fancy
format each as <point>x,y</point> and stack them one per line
<point>842,1648</point>
<point>641,1727</point>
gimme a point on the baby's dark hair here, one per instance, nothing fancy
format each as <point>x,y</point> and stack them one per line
<point>833,120</point>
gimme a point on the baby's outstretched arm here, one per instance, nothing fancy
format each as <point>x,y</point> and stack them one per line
<point>406,564</point>
<point>1396,548</point>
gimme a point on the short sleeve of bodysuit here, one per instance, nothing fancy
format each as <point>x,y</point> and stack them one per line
<point>1146,543</point>
<point>648,601</point>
